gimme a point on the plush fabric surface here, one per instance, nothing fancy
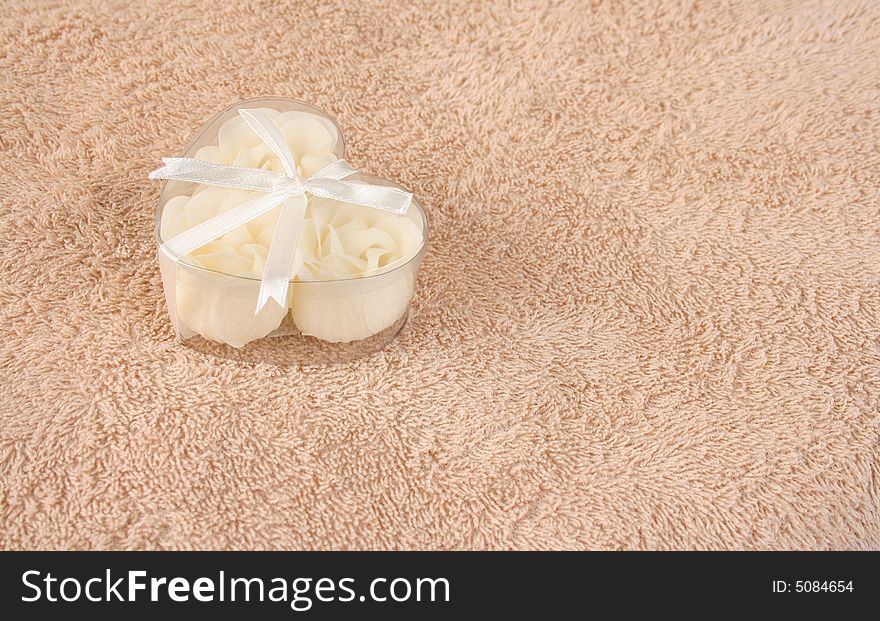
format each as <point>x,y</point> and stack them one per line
<point>649,317</point>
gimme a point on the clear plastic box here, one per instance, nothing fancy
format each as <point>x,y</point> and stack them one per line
<point>326,321</point>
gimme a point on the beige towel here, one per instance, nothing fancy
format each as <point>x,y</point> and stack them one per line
<point>649,318</point>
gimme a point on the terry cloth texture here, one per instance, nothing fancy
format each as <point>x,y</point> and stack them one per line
<point>649,316</point>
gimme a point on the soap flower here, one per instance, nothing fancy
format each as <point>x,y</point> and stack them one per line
<point>339,244</point>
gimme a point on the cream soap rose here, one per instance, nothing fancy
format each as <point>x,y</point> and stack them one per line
<point>344,241</point>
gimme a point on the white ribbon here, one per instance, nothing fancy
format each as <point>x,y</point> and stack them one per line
<point>329,182</point>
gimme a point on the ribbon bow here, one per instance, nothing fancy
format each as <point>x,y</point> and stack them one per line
<point>329,182</point>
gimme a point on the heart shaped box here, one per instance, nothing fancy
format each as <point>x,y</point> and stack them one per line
<point>325,321</point>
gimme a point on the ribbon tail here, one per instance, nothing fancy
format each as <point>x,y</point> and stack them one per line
<point>340,169</point>
<point>208,173</point>
<point>282,253</point>
<point>223,223</point>
<point>330,182</point>
<point>381,197</point>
